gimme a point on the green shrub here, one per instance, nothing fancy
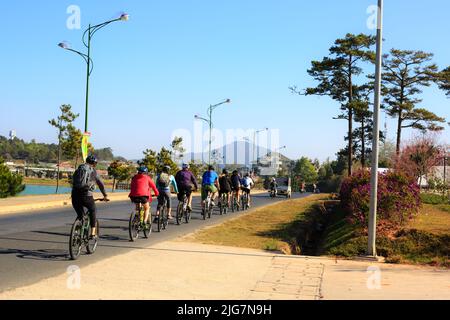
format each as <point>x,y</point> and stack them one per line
<point>330,185</point>
<point>432,198</point>
<point>10,183</point>
<point>398,197</point>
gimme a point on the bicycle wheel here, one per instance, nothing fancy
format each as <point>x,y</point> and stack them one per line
<point>210,209</point>
<point>92,243</point>
<point>187,216</point>
<point>221,206</point>
<point>165,218</point>
<point>148,227</point>
<point>133,227</point>
<point>232,204</point>
<point>160,222</point>
<point>75,241</point>
<point>180,213</point>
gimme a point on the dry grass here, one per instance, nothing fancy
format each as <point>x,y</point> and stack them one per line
<point>433,218</point>
<point>256,229</point>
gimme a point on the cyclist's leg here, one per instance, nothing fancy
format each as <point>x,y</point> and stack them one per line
<point>236,194</point>
<point>249,199</point>
<point>89,203</point>
<point>147,212</point>
<point>204,195</point>
<point>161,200</point>
<point>188,191</point>
<point>77,205</point>
<point>214,192</point>
<point>168,204</point>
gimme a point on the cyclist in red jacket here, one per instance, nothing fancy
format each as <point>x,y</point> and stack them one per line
<point>140,191</point>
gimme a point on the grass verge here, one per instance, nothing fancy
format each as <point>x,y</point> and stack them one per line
<point>273,228</point>
<point>426,240</point>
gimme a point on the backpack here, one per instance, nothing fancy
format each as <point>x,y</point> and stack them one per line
<point>163,180</point>
<point>82,178</point>
<point>246,182</point>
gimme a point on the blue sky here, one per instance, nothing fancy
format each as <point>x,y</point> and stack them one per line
<point>175,58</point>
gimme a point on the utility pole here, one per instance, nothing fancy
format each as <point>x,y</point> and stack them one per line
<point>376,136</point>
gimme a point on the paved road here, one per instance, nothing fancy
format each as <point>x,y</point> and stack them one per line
<point>35,246</point>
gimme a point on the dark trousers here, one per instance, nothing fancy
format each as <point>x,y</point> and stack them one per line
<point>82,201</point>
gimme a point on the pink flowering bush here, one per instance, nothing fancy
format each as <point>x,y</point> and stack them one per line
<point>398,198</point>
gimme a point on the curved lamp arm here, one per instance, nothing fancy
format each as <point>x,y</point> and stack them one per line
<point>93,29</point>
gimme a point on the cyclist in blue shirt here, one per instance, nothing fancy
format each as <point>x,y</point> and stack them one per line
<point>210,183</point>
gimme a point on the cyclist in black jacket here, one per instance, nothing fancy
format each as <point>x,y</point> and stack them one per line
<point>84,198</point>
<point>225,185</point>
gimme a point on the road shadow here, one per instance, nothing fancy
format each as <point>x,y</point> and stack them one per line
<point>114,227</point>
<point>43,254</point>
<point>109,237</point>
<point>113,219</point>
<point>62,234</point>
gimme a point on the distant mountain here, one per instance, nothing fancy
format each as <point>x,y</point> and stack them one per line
<point>237,153</point>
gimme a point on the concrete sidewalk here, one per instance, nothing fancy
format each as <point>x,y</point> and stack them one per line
<point>181,270</point>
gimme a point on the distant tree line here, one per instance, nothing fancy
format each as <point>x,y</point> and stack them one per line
<point>32,152</point>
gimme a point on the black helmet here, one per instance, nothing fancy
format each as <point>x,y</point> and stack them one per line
<point>91,159</point>
<point>143,169</point>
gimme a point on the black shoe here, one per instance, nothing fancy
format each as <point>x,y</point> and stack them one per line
<point>156,220</point>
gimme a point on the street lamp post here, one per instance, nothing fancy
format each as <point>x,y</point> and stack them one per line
<point>376,137</point>
<point>89,33</point>
<point>210,123</point>
<point>255,134</point>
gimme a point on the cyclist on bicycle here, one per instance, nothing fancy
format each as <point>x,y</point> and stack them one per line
<point>273,185</point>
<point>186,183</point>
<point>225,185</point>
<point>236,185</point>
<point>163,183</point>
<point>84,180</point>
<point>140,191</point>
<point>247,184</point>
<point>210,183</point>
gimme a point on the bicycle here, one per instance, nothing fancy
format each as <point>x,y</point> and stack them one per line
<point>223,203</point>
<point>182,210</point>
<point>273,193</point>
<point>244,201</point>
<point>234,203</point>
<point>208,207</point>
<point>137,224</point>
<point>163,218</point>
<point>80,235</point>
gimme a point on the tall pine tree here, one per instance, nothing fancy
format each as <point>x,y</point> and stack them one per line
<point>337,75</point>
<point>405,74</point>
